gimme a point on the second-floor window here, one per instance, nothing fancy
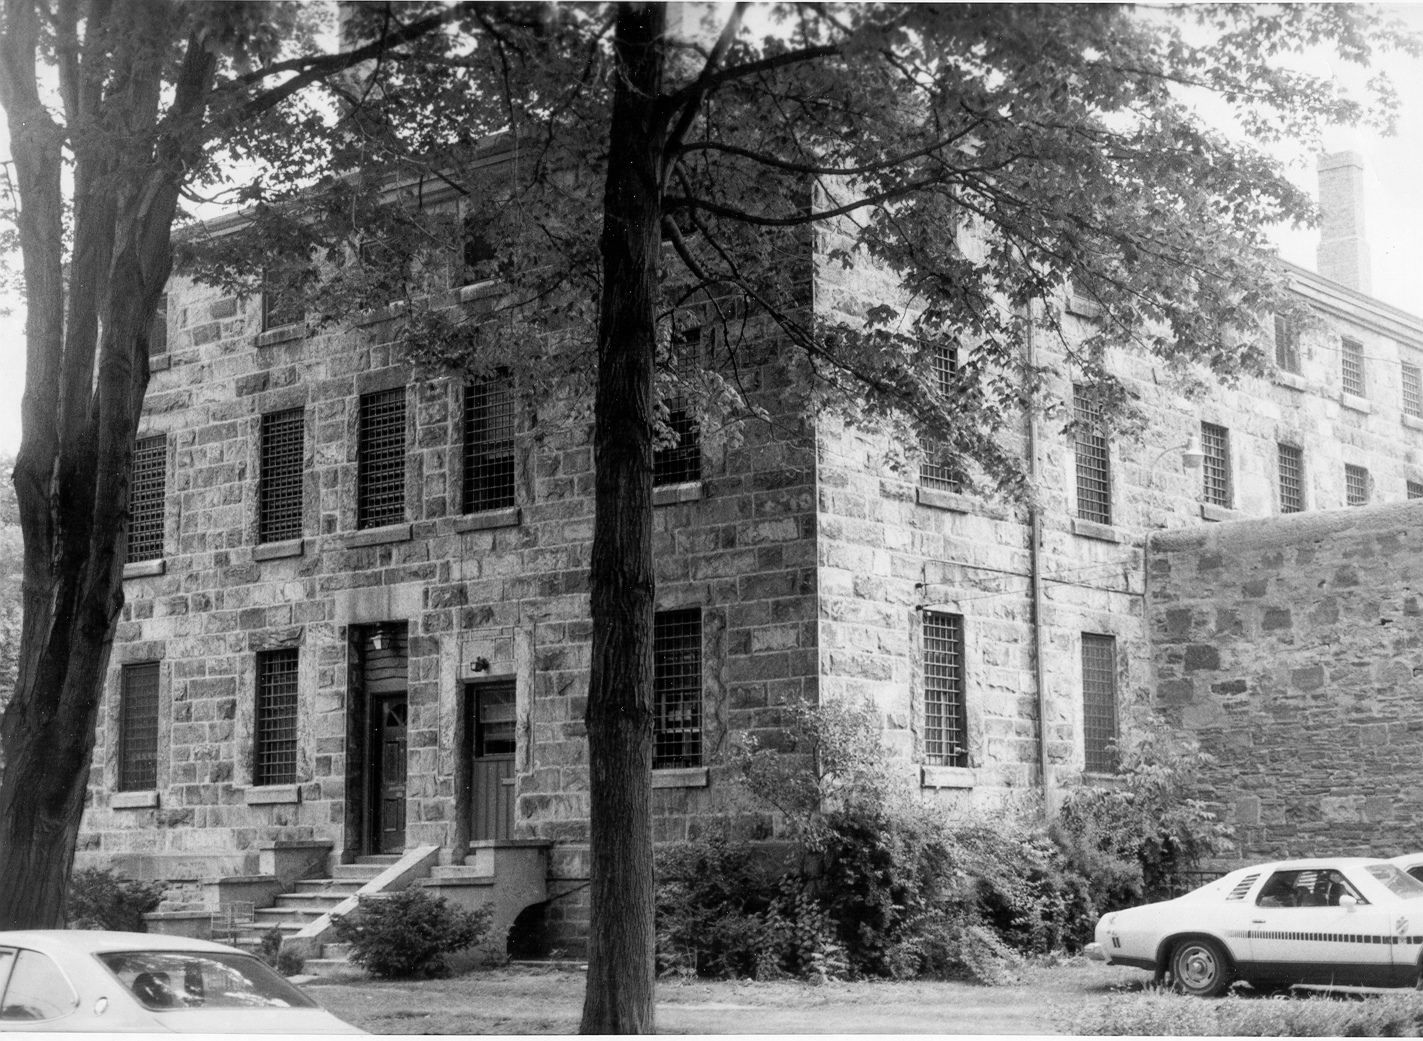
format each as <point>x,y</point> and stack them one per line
<point>1291,463</point>
<point>1352,354</point>
<point>147,491</point>
<point>1099,702</point>
<point>1356,485</point>
<point>936,475</point>
<point>274,745</point>
<point>945,709</point>
<point>279,483</point>
<point>1415,489</point>
<point>1412,391</point>
<point>158,331</point>
<point>138,728</point>
<point>282,304</point>
<point>1286,344</point>
<point>1094,473</point>
<point>677,688</point>
<point>1215,442</point>
<point>488,480</point>
<point>681,462</point>
<point>380,459</point>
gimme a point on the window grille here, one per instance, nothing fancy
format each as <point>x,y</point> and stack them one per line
<point>158,332</point>
<point>488,445</point>
<point>282,303</point>
<point>1286,344</point>
<point>945,716</point>
<point>146,498</point>
<point>1099,702</point>
<point>683,461</point>
<point>138,728</point>
<point>1094,476</point>
<point>380,459</point>
<point>1352,353</point>
<point>279,485</point>
<point>677,688</point>
<point>1291,479</point>
<point>1356,485</point>
<point>1215,442</point>
<point>1412,391</point>
<point>945,363</point>
<point>275,754</point>
<point>1415,489</point>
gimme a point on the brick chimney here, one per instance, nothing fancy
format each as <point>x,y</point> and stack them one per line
<point>1343,253</point>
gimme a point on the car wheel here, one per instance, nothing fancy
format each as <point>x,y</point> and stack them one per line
<point>1200,967</point>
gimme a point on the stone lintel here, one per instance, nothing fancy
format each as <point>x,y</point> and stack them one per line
<point>278,550</point>
<point>133,800</point>
<point>272,794</point>
<point>667,494</point>
<point>685,777</point>
<point>505,518</point>
<point>1092,530</point>
<point>379,536</point>
<point>145,568</point>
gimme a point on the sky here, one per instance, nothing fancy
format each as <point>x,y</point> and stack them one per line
<point>1393,214</point>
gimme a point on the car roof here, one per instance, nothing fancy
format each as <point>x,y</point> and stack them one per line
<point>95,941</point>
<point>1306,863</point>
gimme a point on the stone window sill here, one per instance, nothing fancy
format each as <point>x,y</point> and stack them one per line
<point>946,777</point>
<point>272,795</point>
<point>162,363</point>
<point>133,800</point>
<point>686,777</point>
<point>282,334</point>
<point>667,494</point>
<point>474,291</point>
<point>1293,380</point>
<point>505,518</point>
<point>1412,422</point>
<point>956,503</point>
<point>1092,530</point>
<point>1211,512</point>
<point>145,568</point>
<point>379,536</point>
<point>380,314</point>
<point>278,550</point>
<point>1356,404</point>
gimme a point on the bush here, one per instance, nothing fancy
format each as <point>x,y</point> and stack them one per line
<point>288,962</point>
<point>98,899</point>
<point>408,933</point>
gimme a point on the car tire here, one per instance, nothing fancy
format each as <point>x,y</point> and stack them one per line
<point>1200,966</point>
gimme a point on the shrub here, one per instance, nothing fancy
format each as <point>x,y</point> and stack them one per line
<point>98,899</point>
<point>289,962</point>
<point>408,933</point>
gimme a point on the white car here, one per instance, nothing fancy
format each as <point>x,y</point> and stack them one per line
<point>1411,863</point>
<point>83,980</point>
<point>1337,922</point>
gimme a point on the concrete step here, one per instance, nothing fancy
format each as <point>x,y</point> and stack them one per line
<point>364,872</point>
<point>322,902</point>
<point>460,872</point>
<point>384,859</point>
<point>282,917</point>
<point>342,887</point>
<point>336,951</point>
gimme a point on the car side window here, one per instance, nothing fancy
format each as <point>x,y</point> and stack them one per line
<point>37,990</point>
<point>1308,888</point>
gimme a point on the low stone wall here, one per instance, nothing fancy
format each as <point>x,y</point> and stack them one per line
<point>1292,648</point>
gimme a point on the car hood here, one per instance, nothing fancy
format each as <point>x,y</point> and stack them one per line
<point>254,1021</point>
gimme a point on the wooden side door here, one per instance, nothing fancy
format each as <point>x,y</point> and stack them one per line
<point>389,718</point>
<point>492,717</point>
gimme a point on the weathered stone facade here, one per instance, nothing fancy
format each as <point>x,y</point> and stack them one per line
<point>1292,648</point>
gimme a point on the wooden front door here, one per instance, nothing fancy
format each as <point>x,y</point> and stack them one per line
<point>389,715</point>
<point>491,715</point>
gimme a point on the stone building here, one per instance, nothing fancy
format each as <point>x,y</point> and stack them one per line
<point>357,622</point>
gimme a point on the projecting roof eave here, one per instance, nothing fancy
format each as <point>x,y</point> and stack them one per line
<point>1355,307</point>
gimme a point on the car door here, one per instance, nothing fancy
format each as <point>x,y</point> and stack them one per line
<point>1301,932</point>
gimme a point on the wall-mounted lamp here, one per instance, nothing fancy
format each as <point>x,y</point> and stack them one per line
<point>1192,455</point>
<point>382,639</point>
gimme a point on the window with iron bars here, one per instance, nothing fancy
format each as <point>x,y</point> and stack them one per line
<point>380,459</point>
<point>1099,702</point>
<point>158,332</point>
<point>1286,344</point>
<point>1352,354</point>
<point>488,445</point>
<point>1415,489</point>
<point>677,688</point>
<point>279,497</point>
<point>1094,475</point>
<point>138,728</point>
<point>1356,485</point>
<point>1412,391</point>
<point>681,462</point>
<point>1291,462</point>
<point>945,361</point>
<point>945,711</point>
<point>274,754</point>
<point>1215,442</point>
<point>147,490</point>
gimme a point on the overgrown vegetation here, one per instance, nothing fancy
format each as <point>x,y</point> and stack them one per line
<point>284,959</point>
<point>99,899</point>
<point>1158,1013</point>
<point>409,933</point>
<point>874,881</point>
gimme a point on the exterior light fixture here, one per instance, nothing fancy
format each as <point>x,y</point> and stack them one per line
<point>1191,455</point>
<point>380,639</point>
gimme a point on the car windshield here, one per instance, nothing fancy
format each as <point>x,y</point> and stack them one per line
<point>1399,884</point>
<point>201,979</point>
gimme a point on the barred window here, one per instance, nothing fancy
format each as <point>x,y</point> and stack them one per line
<point>477,253</point>
<point>1215,442</point>
<point>274,757</point>
<point>682,461</point>
<point>1352,354</point>
<point>158,331</point>
<point>1291,461</point>
<point>488,445</point>
<point>1356,485</point>
<point>147,489</point>
<point>282,302</point>
<point>138,728</point>
<point>1415,489</point>
<point>945,362</point>
<point>1286,344</point>
<point>1412,391</point>
<point>677,688</point>
<point>1099,702</point>
<point>945,714</point>
<point>279,483</point>
<point>380,459</point>
<point>1094,476</point>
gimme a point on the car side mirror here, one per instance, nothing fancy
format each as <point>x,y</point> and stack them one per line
<point>1348,901</point>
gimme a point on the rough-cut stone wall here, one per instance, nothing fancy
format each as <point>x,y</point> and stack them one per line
<point>1292,648</point>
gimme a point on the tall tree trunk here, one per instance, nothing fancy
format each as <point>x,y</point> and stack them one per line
<point>621,955</point>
